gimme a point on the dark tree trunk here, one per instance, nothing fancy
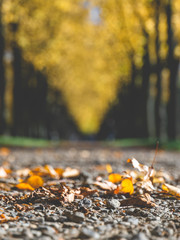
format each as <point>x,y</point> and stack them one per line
<point>173,67</point>
<point>145,86</point>
<point>2,75</point>
<point>17,90</point>
<point>158,72</point>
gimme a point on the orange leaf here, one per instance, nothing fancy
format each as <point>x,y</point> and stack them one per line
<point>127,186</point>
<point>24,186</point>
<point>114,177</point>
<point>4,151</point>
<point>35,181</point>
<point>59,171</point>
<point>108,168</point>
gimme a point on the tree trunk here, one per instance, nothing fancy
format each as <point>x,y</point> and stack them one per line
<point>17,90</point>
<point>172,65</point>
<point>158,72</point>
<point>145,86</point>
<point>2,74</point>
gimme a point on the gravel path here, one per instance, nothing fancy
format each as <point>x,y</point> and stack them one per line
<point>98,216</point>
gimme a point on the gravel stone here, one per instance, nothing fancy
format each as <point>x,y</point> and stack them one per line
<point>89,233</point>
<point>113,203</point>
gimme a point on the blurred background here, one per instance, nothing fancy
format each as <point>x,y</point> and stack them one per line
<point>90,69</point>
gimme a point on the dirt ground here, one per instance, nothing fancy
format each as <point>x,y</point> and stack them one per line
<point>96,216</point>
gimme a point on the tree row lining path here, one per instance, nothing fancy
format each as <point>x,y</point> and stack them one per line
<point>96,216</point>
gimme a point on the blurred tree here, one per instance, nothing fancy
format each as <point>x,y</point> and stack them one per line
<point>91,50</point>
<point>2,74</point>
<point>172,65</point>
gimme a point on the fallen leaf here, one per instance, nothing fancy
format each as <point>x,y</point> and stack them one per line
<point>148,171</point>
<point>70,172</point>
<point>126,186</point>
<point>35,181</point>
<point>51,171</point>
<point>106,185</point>
<point>59,171</point>
<point>139,201</point>
<point>4,151</point>
<point>108,168</point>
<point>114,177</point>
<point>4,218</point>
<point>24,186</point>
<point>175,191</point>
<point>3,173</point>
<point>24,172</point>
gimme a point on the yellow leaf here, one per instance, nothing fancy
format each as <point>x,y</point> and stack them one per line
<point>108,168</point>
<point>35,181</point>
<point>114,177</point>
<point>171,189</point>
<point>24,186</point>
<point>127,186</point>
<point>59,171</point>
<point>164,188</point>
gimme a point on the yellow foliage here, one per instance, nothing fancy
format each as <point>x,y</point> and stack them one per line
<point>85,60</point>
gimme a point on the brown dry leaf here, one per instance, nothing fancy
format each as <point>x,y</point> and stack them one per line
<point>24,186</point>
<point>106,185</point>
<point>40,171</point>
<point>147,185</point>
<point>70,172</point>
<point>175,191</point>
<point>87,191</point>
<point>24,172</point>
<point>148,171</point>
<point>4,218</point>
<point>35,181</point>
<point>139,201</point>
<point>69,197</point>
<point>114,177</point>
<point>51,171</point>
